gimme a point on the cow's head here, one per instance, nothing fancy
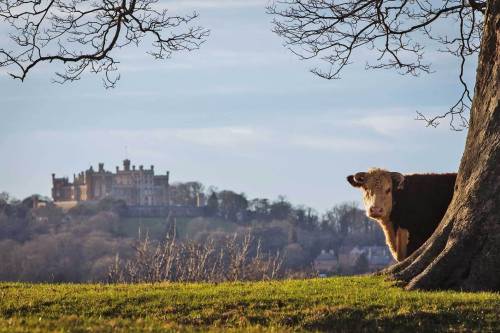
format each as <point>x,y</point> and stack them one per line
<point>377,186</point>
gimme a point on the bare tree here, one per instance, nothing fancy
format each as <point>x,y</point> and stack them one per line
<point>391,29</point>
<point>464,251</point>
<point>82,34</point>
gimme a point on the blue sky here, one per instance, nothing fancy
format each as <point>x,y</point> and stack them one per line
<point>242,113</point>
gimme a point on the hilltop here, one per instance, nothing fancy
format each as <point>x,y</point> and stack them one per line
<point>335,304</point>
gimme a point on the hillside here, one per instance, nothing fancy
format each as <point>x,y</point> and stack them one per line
<point>337,304</point>
<point>47,245</point>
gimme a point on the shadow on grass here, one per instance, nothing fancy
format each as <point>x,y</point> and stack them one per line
<point>344,319</point>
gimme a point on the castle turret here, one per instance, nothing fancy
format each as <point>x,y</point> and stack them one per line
<point>126,165</point>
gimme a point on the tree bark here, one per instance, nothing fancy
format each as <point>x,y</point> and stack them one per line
<point>464,252</point>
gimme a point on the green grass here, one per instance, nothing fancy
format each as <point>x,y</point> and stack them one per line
<point>337,304</point>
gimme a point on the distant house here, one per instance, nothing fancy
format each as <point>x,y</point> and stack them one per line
<point>39,202</point>
<point>326,262</point>
<point>378,256</point>
<point>345,256</point>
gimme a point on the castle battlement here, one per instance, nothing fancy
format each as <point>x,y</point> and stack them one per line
<point>136,186</point>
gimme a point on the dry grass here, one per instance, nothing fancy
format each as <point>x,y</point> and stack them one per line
<point>233,258</point>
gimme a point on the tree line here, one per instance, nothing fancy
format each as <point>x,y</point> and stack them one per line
<point>46,244</point>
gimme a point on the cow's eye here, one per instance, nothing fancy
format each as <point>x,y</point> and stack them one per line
<point>388,191</point>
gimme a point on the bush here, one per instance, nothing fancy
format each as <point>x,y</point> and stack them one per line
<point>189,261</point>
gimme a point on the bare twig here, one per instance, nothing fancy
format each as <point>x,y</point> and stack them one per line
<point>333,31</point>
<point>82,34</point>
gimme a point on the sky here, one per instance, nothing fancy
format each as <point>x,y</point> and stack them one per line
<point>242,113</point>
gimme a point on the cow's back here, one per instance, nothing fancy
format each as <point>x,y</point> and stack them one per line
<point>421,204</point>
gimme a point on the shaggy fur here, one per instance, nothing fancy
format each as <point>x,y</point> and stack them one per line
<point>421,204</point>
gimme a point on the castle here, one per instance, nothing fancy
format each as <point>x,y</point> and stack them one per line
<point>137,187</point>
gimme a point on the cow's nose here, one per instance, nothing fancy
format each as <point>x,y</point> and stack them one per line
<point>376,210</point>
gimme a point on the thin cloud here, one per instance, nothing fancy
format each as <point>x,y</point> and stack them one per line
<point>222,136</point>
<point>387,125</point>
<point>336,144</point>
<point>394,125</point>
<point>230,138</point>
<point>215,137</point>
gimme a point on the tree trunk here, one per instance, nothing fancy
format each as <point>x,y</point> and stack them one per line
<point>464,252</point>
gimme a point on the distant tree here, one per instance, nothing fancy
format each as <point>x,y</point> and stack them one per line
<point>4,197</point>
<point>281,209</point>
<point>186,193</point>
<point>230,204</point>
<point>10,259</point>
<point>300,215</point>
<point>273,237</point>
<point>292,235</point>
<point>84,35</point>
<point>104,221</point>
<point>261,208</point>
<point>342,217</point>
<point>83,209</point>
<point>212,207</point>
<point>305,217</point>
<point>312,218</point>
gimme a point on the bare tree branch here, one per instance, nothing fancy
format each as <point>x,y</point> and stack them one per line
<point>82,34</point>
<point>333,30</point>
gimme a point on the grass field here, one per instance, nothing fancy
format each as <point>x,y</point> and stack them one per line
<point>337,304</point>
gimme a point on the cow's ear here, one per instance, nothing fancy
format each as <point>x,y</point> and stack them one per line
<point>357,180</point>
<point>351,181</point>
<point>398,179</point>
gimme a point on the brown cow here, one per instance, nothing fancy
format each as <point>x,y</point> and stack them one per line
<point>407,207</point>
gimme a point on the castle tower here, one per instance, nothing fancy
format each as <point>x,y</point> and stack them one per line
<point>126,165</point>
